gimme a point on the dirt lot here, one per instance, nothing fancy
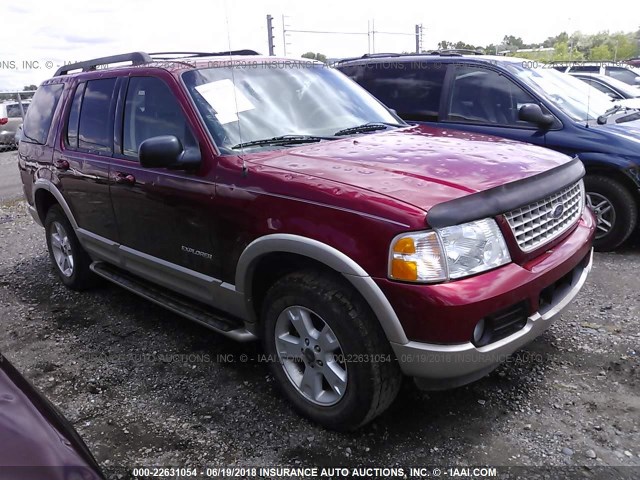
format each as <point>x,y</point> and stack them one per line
<point>145,387</point>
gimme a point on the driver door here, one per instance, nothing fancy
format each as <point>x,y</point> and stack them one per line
<point>485,101</point>
<point>165,217</point>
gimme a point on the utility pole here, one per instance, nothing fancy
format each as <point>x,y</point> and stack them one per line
<point>270,36</point>
<point>285,34</point>
<point>373,36</point>
<point>418,38</point>
<point>284,38</point>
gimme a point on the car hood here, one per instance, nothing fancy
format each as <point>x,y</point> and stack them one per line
<point>629,131</point>
<point>36,441</point>
<point>420,165</point>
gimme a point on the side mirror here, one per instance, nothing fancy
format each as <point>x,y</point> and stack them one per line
<point>531,112</point>
<point>166,151</point>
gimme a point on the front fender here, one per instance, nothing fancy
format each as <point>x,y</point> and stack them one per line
<point>332,258</point>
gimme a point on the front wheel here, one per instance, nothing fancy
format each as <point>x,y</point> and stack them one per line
<point>327,350</point>
<point>615,209</point>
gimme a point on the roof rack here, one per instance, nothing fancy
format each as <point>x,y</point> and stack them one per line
<point>139,58</point>
<point>454,52</point>
<point>443,53</point>
<point>136,58</point>
<point>182,55</point>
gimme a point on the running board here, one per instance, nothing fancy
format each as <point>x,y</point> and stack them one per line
<point>191,309</point>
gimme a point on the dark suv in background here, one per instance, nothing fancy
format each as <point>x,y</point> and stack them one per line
<point>520,100</point>
<point>271,199</point>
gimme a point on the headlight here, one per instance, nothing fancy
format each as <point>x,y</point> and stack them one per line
<point>448,253</point>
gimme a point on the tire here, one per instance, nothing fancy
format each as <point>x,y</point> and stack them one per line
<point>368,376</point>
<point>615,209</point>
<point>70,261</point>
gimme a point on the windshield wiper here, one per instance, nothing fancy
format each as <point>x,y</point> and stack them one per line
<point>367,127</point>
<point>283,140</point>
<point>602,119</point>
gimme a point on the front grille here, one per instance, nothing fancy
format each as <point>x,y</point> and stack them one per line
<point>540,222</point>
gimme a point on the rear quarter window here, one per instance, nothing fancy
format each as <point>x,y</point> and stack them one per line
<point>37,121</point>
<point>413,89</point>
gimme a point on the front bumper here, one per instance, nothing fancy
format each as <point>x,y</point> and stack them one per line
<point>7,137</point>
<point>439,319</point>
<point>446,366</point>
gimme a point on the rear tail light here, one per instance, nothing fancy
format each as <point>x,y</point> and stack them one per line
<point>4,121</point>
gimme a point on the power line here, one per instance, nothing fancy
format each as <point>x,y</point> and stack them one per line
<point>370,33</point>
<point>333,33</point>
<point>393,33</point>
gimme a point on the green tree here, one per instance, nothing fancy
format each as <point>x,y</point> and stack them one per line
<point>563,52</point>
<point>623,45</point>
<point>315,56</point>
<point>601,52</point>
<point>464,46</point>
<point>513,43</point>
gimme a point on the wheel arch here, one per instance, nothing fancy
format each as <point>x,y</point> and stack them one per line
<point>45,195</point>
<point>265,252</point>
<point>615,171</point>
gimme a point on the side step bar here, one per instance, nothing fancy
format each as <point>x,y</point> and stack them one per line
<point>191,309</point>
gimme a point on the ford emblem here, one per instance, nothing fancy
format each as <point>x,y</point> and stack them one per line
<point>557,211</point>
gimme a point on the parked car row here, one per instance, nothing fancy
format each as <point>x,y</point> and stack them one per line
<point>624,72</point>
<point>619,92</point>
<point>11,115</point>
<point>502,96</point>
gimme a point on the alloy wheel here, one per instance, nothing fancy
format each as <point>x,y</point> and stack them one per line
<point>604,211</point>
<point>311,356</point>
<point>61,247</point>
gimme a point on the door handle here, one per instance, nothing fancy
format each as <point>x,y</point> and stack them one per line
<point>61,163</point>
<point>124,178</point>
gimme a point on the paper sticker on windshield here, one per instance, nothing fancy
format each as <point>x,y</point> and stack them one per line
<point>225,99</point>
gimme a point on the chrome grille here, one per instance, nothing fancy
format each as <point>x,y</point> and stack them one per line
<point>540,222</point>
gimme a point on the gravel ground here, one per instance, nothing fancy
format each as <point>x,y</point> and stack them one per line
<point>10,185</point>
<point>145,387</point>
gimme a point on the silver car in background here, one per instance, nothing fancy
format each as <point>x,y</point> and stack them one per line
<point>10,121</point>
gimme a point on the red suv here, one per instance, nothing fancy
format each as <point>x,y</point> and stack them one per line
<point>275,199</point>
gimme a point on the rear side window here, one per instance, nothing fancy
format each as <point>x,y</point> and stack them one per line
<point>411,89</point>
<point>74,117</point>
<point>603,88</point>
<point>37,122</point>
<point>151,110</point>
<point>13,110</point>
<point>354,72</point>
<point>96,119</point>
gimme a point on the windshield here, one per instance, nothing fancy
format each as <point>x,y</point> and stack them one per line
<point>627,90</point>
<point>577,99</point>
<point>246,103</point>
<point>625,75</point>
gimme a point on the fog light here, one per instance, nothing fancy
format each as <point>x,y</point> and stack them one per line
<point>478,332</point>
